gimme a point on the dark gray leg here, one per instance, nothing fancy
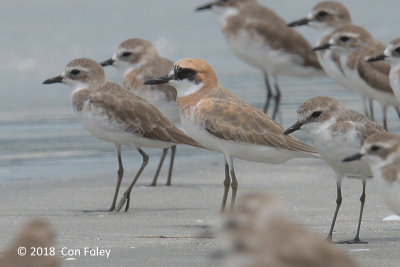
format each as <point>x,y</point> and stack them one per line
<point>120,175</point>
<point>371,109</point>
<point>269,93</point>
<point>234,186</point>
<point>398,111</point>
<point>356,239</point>
<point>227,183</point>
<point>365,105</point>
<point>277,98</point>
<point>384,111</point>
<point>126,197</point>
<point>338,203</point>
<point>165,151</point>
<point>171,164</point>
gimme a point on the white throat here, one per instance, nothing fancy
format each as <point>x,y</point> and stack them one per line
<point>186,87</point>
<point>76,86</point>
<point>224,13</point>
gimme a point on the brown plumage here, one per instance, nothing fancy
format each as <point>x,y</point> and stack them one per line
<point>251,127</point>
<point>37,234</point>
<point>220,121</point>
<point>259,233</point>
<point>131,113</point>
<point>228,117</point>
<point>117,115</point>
<point>258,20</point>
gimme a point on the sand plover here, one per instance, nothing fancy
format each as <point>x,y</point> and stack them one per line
<point>222,122</point>
<point>337,132</point>
<point>382,152</point>
<point>259,233</point>
<point>36,234</point>
<point>261,38</point>
<point>355,46</point>
<point>392,56</point>
<point>114,114</point>
<point>327,17</point>
<point>137,60</point>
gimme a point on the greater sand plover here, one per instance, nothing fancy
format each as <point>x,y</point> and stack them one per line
<point>261,38</point>
<point>392,56</point>
<point>33,246</point>
<point>114,114</point>
<point>222,122</point>
<point>382,152</point>
<point>337,132</point>
<point>137,60</point>
<point>327,17</point>
<point>259,233</point>
<point>355,46</point>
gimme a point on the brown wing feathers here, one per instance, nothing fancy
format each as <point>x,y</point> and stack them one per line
<point>252,126</point>
<point>137,116</point>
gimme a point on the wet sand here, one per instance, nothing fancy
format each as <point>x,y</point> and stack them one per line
<point>163,225</point>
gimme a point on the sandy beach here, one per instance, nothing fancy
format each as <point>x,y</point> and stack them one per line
<point>164,224</point>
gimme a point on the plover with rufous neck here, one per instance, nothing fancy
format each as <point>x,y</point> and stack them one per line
<point>392,56</point>
<point>261,38</point>
<point>137,60</point>
<point>355,46</point>
<point>116,115</point>
<point>260,233</point>
<point>222,122</point>
<point>327,17</point>
<point>336,133</point>
<point>382,153</point>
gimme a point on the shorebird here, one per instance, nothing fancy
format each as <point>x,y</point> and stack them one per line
<point>327,17</point>
<point>392,56</point>
<point>222,122</point>
<point>33,246</point>
<point>337,132</point>
<point>114,114</point>
<point>355,45</point>
<point>261,38</point>
<point>382,153</point>
<point>137,60</point>
<point>259,233</point>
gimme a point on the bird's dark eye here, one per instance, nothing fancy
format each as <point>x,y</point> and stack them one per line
<point>126,54</point>
<point>322,14</point>
<point>75,72</point>
<point>184,73</point>
<point>375,148</point>
<point>344,38</point>
<point>397,50</point>
<point>316,114</point>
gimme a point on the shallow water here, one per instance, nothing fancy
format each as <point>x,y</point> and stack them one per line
<point>39,135</point>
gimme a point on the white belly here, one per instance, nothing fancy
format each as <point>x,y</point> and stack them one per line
<point>257,53</point>
<point>160,101</point>
<point>99,125</point>
<point>333,149</point>
<point>249,152</point>
<point>395,83</point>
<point>331,68</point>
<point>390,192</point>
<point>359,85</point>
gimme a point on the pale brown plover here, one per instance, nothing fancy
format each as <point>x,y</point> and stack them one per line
<point>355,46</point>
<point>336,133</point>
<point>259,233</point>
<point>382,153</point>
<point>137,60</point>
<point>261,38</point>
<point>116,115</point>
